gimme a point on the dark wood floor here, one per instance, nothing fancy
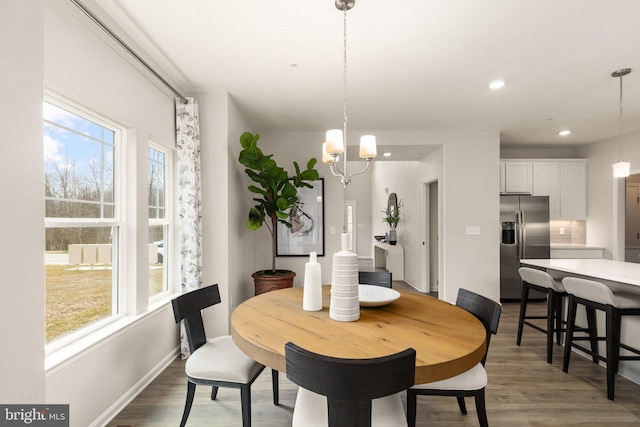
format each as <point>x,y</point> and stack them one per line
<point>523,390</point>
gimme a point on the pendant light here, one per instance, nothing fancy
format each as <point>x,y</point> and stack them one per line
<point>621,169</point>
<point>336,139</point>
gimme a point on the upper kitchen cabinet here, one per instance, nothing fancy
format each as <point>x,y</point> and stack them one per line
<point>565,182</point>
<point>573,190</point>
<point>546,182</point>
<point>517,177</point>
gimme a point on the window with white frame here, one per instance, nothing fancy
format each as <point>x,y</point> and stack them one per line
<point>83,218</point>
<point>159,220</point>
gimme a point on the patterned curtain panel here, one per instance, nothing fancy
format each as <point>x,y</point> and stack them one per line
<point>189,201</point>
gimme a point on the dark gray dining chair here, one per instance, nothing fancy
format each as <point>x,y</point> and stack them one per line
<point>215,362</point>
<point>471,382</point>
<point>378,277</point>
<point>337,392</point>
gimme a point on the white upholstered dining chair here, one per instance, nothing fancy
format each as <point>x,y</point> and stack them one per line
<point>473,381</point>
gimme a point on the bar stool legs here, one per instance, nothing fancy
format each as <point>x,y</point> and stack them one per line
<point>612,339</point>
<point>553,317</point>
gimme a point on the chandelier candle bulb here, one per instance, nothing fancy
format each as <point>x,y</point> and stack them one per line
<point>326,157</point>
<point>368,147</point>
<point>312,292</point>
<point>335,144</point>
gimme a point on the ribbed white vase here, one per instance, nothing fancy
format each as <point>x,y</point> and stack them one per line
<point>344,305</point>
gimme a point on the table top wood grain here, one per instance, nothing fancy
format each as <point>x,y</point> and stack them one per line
<point>448,340</point>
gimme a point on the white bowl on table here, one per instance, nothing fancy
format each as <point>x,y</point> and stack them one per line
<point>375,296</point>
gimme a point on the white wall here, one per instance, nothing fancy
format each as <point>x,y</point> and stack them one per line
<point>228,245</point>
<point>22,195</point>
<point>471,176</point>
<point>213,109</point>
<point>544,152</point>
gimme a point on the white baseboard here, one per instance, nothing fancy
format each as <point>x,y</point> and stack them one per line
<point>134,391</point>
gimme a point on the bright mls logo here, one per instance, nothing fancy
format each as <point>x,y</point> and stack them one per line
<point>34,415</point>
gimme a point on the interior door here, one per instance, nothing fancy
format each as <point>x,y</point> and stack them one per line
<point>632,216</point>
<point>433,234</point>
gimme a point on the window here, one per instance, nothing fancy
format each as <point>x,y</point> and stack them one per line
<point>159,224</point>
<point>83,223</point>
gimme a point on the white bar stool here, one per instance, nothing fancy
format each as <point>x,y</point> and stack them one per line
<point>541,281</point>
<point>598,296</point>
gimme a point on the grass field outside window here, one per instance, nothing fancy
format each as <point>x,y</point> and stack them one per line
<point>79,296</point>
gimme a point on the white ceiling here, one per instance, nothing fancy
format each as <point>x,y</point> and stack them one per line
<point>412,64</point>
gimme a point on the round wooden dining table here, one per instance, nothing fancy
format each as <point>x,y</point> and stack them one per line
<point>448,340</point>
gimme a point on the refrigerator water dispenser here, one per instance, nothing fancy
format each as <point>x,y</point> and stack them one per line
<point>508,233</point>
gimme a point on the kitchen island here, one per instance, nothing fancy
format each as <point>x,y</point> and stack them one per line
<point>617,275</point>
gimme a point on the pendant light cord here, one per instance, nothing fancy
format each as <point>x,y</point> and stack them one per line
<point>344,80</point>
<point>620,124</point>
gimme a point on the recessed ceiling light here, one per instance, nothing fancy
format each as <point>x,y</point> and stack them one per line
<point>564,132</point>
<point>496,84</point>
<point>387,154</point>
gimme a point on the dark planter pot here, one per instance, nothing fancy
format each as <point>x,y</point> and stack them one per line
<point>270,282</point>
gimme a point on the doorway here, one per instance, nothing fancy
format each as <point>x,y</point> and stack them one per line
<point>350,224</point>
<point>632,220</point>
<point>430,244</point>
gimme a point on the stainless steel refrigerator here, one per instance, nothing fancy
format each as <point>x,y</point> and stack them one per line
<point>524,224</point>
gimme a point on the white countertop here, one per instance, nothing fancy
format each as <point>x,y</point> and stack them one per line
<point>617,271</point>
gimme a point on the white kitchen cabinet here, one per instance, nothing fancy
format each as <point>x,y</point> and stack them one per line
<point>502,177</point>
<point>517,177</point>
<point>546,182</point>
<point>573,190</point>
<point>563,180</point>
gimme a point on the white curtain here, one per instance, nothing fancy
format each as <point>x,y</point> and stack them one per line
<point>189,201</point>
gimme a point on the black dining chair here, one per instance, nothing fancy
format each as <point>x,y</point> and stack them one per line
<point>378,277</point>
<point>337,392</point>
<point>471,382</point>
<point>215,362</point>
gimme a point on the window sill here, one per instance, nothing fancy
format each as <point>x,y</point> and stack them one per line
<point>60,357</point>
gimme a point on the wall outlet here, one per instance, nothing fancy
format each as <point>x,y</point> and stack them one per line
<point>473,230</point>
<point>332,230</point>
<point>561,230</point>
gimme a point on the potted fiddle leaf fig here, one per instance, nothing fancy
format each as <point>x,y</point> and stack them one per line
<point>275,193</point>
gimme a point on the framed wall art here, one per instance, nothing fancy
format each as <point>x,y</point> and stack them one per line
<point>306,234</point>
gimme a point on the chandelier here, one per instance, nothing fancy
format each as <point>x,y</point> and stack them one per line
<point>336,139</point>
<point>621,169</point>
